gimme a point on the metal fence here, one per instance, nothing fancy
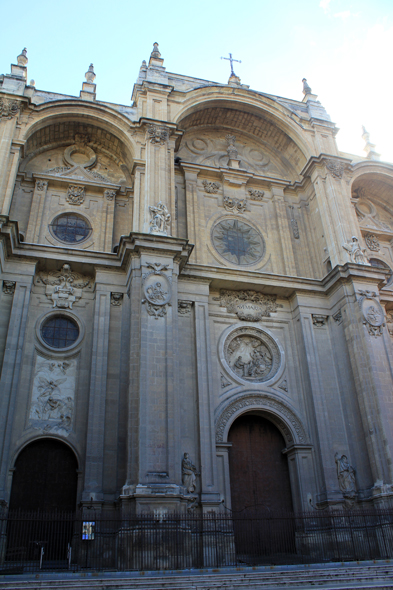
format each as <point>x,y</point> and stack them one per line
<point>90,540</point>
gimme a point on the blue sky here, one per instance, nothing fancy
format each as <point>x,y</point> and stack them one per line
<point>343,47</point>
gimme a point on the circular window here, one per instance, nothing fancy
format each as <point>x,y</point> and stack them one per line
<point>70,228</point>
<point>382,265</point>
<point>59,332</point>
<point>238,242</point>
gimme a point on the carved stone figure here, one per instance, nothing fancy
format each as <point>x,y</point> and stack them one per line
<point>356,253</point>
<point>345,476</point>
<point>160,219</point>
<point>235,205</point>
<point>52,402</point>
<point>75,195</point>
<point>64,287</point>
<point>155,293</point>
<point>232,151</point>
<point>189,473</point>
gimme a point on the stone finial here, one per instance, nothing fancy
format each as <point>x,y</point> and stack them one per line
<point>234,80</point>
<point>90,75</point>
<point>22,58</point>
<point>155,52</point>
<point>306,87</point>
<point>144,65</point>
<point>371,154</point>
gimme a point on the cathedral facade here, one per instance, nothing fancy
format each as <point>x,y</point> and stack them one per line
<point>196,301</point>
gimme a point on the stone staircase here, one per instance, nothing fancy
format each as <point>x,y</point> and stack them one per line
<point>351,576</point>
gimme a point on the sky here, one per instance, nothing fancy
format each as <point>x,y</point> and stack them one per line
<point>343,47</point>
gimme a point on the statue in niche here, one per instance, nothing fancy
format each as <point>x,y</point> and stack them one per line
<point>161,218</point>
<point>189,473</point>
<point>356,253</point>
<point>346,477</point>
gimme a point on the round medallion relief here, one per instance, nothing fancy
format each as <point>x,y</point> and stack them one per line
<point>252,354</point>
<point>157,289</point>
<point>238,242</point>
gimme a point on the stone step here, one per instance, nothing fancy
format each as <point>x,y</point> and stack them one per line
<point>334,577</point>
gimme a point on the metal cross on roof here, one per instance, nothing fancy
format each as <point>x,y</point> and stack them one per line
<point>231,60</point>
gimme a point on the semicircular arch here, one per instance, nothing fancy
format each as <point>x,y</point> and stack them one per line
<point>278,412</point>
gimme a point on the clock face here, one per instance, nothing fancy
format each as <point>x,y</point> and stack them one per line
<point>238,242</point>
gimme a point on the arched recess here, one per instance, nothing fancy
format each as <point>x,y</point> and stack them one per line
<point>298,448</point>
<point>45,476</point>
<point>372,198</point>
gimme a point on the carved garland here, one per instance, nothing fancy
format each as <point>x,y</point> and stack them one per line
<point>289,427</point>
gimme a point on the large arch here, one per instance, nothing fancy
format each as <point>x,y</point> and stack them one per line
<point>281,414</point>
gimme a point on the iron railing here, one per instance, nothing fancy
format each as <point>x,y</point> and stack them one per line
<point>91,540</point>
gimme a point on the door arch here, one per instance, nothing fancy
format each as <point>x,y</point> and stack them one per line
<point>45,477</point>
<point>259,474</point>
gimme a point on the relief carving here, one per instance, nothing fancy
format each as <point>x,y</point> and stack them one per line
<point>338,317</point>
<point>224,381</point>
<point>52,400</point>
<point>372,312</point>
<point>370,218</point>
<point>356,253</point>
<point>335,168</point>
<point>9,287</point>
<point>256,195</point>
<point>116,299</point>
<point>372,242</point>
<point>158,134</point>
<point>157,290</point>
<point>249,306</point>
<point>160,219</point>
<point>389,322</point>
<point>251,355</point>
<point>184,307</point>
<point>210,187</point>
<point>41,185</point>
<point>276,410</point>
<point>75,194</point>
<point>346,477</point>
<point>8,108</point>
<point>234,205</point>
<point>295,229</point>
<point>319,320</point>
<point>109,195</point>
<point>64,287</point>
<point>284,386</point>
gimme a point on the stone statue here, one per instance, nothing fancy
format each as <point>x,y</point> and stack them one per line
<point>345,476</point>
<point>189,473</point>
<point>356,253</point>
<point>161,218</point>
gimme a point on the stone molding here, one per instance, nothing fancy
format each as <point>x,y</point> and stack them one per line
<point>280,414</point>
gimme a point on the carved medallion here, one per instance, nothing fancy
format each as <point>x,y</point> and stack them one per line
<point>52,399</point>
<point>251,354</point>
<point>75,195</point>
<point>238,242</point>
<point>372,242</point>
<point>157,290</point>
<point>249,306</point>
<point>372,313</point>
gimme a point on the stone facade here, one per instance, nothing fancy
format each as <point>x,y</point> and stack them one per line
<point>211,252</point>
